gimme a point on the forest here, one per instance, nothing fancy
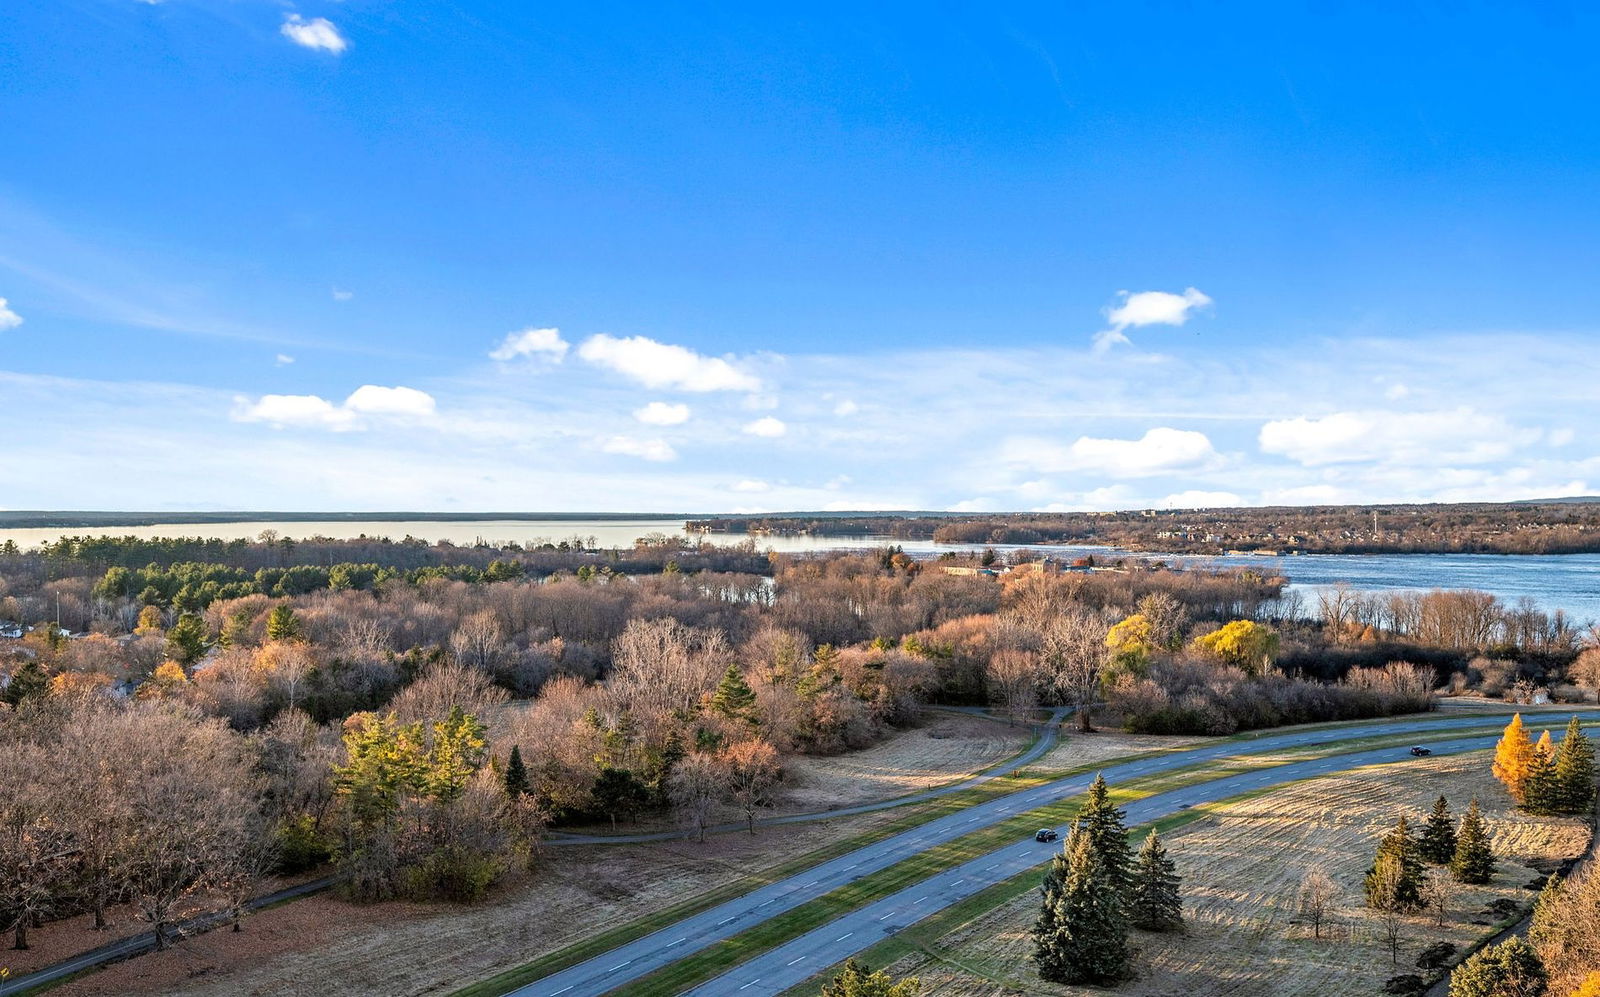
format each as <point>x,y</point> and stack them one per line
<point>1557,527</point>
<point>181,719</point>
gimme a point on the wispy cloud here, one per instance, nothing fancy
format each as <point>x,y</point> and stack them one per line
<point>545,344</point>
<point>628,446</point>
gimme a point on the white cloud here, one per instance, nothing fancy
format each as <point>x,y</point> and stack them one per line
<point>1454,436</point>
<point>1148,308</point>
<point>370,399</point>
<point>8,318</point>
<point>318,33</point>
<point>284,360</point>
<point>340,295</point>
<point>766,426</point>
<point>1161,450</point>
<point>530,342</point>
<point>663,365</point>
<point>662,414</point>
<point>846,408</point>
<point>751,486</point>
<point>1560,437</point>
<point>1198,499</point>
<point>312,412</point>
<point>628,446</point>
<point>1395,392</point>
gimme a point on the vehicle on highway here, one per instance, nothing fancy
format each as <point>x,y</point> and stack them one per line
<point>1420,751</point>
<point>1046,834</point>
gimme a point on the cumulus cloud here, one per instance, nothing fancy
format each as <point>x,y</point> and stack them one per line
<point>366,404</point>
<point>1147,308</point>
<point>1161,450</point>
<point>662,414</point>
<point>664,365</point>
<point>751,486</point>
<point>766,426</point>
<point>541,343</point>
<point>628,446</point>
<point>317,33</point>
<point>8,318</point>
<point>1456,436</point>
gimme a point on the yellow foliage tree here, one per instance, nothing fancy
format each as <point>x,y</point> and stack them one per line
<point>149,621</point>
<point>1244,643</point>
<point>1590,986</point>
<point>168,679</point>
<point>1514,759</point>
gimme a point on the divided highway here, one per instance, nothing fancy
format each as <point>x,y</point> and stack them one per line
<point>853,932</point>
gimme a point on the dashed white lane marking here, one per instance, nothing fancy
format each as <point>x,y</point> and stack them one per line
<point>797,960</point>
<point>842,937</point>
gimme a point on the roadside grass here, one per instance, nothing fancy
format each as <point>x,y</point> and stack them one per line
<point>728,952</point>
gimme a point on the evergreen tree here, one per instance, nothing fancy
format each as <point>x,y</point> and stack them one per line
<point>1155,904</point>
<point>26,682</point>
<point>1545,929</point>
<point>1473,861</point>
<point>1513,758</point>
<point>516,777</point>
<point>1540,791</point>
<point>619,791</point>
<point>734,698</point>
<point>282,624</point>
<point>186,641</point>
<point>1438,841</point>
<point>1108,836</point>
<point>1395,880</point>
<point>1081,935</point>
<point>1510,969</point>
<point>1574,771</point>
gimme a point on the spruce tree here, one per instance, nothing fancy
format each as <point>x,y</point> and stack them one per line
<point>1474,861</point>
<point>1154,903</point>
<point>1081,935</point>
<point>1574,771</point>
<point>516,777</point>
<point>1438,841</point>
<point>734,698</point>
<point>1510,969</point>
<point>1102,821</point>
<point>1395,880</point>
<point>1545,929</point>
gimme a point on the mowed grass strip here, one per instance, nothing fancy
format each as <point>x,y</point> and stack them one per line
<point>720,956</point>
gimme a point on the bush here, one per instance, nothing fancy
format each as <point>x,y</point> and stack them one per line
<point>301,846</point>
<point>456,874</point>
<point>1436,956</point>
<point>1405,985</point>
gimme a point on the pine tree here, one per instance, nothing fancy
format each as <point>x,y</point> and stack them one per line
<point>1540,791</point>
<point>1510,969</point>
<point>186,641</point>
<point>1102,821</point>
<point>1081,935</point>
<point>1438,841</point>
<point>1545,928</point>
<point>516,777</point>
<point>1395,880</point>
<point>1473,861</point>
<point>1155,904</point>
<point>282,624</point>
<point>1574,771</point>
<point>734,698</point>
<point>1513,758</point>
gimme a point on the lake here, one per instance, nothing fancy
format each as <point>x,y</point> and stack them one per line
<point>1570,582</point>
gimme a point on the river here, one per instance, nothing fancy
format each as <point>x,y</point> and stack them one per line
<point>1569,582</point>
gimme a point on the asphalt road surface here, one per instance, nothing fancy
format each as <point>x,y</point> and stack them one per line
<point>802,957</point>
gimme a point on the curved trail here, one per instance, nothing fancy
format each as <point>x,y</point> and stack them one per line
<point>633,960</point>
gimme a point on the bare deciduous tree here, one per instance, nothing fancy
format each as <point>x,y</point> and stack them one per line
<point>1013,678</point>
<point>752,772</point>
<point>1318,898</point>
<point>697,783</point>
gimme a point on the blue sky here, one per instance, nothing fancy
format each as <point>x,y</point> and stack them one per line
<point>381,254</point>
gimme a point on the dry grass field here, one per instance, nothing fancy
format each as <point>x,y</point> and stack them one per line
<point>1241,869</point>
<point>1075,750</point>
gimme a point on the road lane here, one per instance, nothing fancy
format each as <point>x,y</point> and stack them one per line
<point>642,956</point>
<point>799,959</point>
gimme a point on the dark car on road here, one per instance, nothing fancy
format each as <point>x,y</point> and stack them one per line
<point>1420,751</point>
<point>1046,834</point>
